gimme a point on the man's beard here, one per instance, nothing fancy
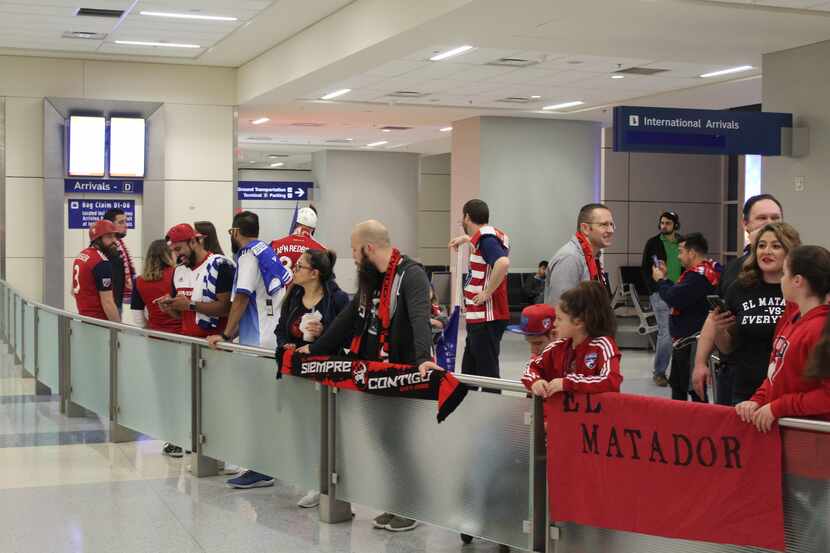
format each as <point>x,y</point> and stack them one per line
<point>368,277</point>
<point>187,260</point>
<point>666,232</point>
<point>120,235</point>
<point>109,251</point>
<point>234,247</point>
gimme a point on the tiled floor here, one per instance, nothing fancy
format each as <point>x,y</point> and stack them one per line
<point>64,488</point>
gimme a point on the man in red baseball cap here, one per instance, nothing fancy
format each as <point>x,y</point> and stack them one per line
<point>537,327</point>
<point>92,274</point>
<point>202,284</point>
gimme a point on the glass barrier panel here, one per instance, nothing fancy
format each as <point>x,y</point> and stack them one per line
<point>253,420</point>
<point>48,356</point>
<point>3,321</point>
<point>154,388</point>
<point>90,369</point>
<point>470,473</point>
<point>29,331</point>
<point>18,321</point>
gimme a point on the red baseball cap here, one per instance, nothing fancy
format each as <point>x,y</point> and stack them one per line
<point>100,228</point>
<point>181,233</point>
<point>536,320</point>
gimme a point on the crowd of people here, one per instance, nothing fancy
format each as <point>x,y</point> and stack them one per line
<point>766,313</point>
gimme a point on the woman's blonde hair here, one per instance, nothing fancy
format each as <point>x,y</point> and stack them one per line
<point>750,274</point>
<point>158,259</point>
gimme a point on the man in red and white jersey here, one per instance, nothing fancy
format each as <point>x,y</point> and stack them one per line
<point>92,274</point>
<point>485,292</point>
<point>290,248</point>
<point>202,284</point>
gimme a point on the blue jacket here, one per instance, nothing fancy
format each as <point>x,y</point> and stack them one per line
<point>688,300</point>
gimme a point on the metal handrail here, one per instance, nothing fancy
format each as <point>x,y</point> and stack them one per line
<point>475,381</point>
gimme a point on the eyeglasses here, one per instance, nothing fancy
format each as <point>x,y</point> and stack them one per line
<point>605,226</point>
<point>230,230</point>
<point>299,266</point>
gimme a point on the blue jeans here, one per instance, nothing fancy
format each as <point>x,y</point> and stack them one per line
<point>663,354</point>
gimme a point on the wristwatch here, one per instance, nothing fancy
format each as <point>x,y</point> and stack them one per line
<point>192,306</point>
<point>225,338</point>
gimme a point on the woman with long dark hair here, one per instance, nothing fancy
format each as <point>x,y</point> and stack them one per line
<point>798,378</point>
<point>209,237</point>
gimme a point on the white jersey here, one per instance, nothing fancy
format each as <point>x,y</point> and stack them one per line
<point>259,321</point>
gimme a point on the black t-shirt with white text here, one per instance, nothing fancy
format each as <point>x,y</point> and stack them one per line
<point>757,310</point>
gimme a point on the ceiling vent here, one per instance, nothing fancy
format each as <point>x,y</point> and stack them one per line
<point>407,94</point>
<point>307,124</point>
<point>84,35</point>
<point>99,12</point>
<point>515,100</point>
<point>640,71</point>
<point>513,62</point>
<point>390,128</point>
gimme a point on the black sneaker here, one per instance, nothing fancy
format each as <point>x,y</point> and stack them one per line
<point>172,450</point>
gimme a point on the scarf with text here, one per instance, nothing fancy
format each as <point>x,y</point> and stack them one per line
<point>709,269</point>
<point>376,377</point>
<point>384,309</point>
<point>594,263</point>
<point>129,269</point>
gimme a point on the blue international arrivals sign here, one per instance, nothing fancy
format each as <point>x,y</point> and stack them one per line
<point>103,186</point>
<point>82,213</point>
<point>698,131</point>
<point>266,190</point>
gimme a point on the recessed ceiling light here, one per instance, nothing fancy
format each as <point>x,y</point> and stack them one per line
<point>445,129</point>
<point>564,105</point>
<point>535,97</point>
<point>190,16</point>
<point>336,93</point>
<point>277,164</point>
<point>727,71</point>
<point>159,44</point>
<point>260,121</point>
<point>386,130</point>
<point>379,143</point>
<point>450,53</point>
<point>617,76</point>
<point>252,161</point>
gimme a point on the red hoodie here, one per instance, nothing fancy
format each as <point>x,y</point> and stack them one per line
<point>786,389</point>
<point>592,367</point>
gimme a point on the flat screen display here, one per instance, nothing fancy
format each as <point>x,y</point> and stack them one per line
<point>126,147</point>
<point>86,146</point>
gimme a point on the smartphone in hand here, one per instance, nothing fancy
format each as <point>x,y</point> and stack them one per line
<point>717,303</point>
<point>655,260</point>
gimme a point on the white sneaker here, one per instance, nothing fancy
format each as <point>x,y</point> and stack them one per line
<point>230,469</point>
<point>309,500</point>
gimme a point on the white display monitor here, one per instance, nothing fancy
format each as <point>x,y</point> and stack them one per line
<point>127,147</point>
<point>86,146</point>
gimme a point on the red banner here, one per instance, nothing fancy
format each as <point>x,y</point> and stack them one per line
<point>666,468</point>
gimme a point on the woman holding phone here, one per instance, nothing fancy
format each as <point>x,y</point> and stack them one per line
<point>756,302</point>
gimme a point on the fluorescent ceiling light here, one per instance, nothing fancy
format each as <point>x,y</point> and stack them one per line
<point>252,161</point>
<point>535,97</point>
<point>336,93</point>
<point>380,143</point>
<point>260,121</point>
<point>451,53</point>
<point>617,76</point>
<point>190,16</point>
<point>564,105</point>
<point>162,44</point>
<point>277,164</point>
<point>445,129</point>
<point>727,71</point>
<point>396,146</point>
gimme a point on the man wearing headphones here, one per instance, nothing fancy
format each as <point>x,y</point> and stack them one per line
<point>662,247</point>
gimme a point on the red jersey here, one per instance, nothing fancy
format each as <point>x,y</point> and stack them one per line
<point>496,308</point>
<point>143,297</point>
<point>192,282</point>
<point>592,367</point>
<point>290,248</point>
<point>91,274</point>
<point>786,389</point>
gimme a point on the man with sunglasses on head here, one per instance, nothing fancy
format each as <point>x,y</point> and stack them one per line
<point>580,258</point>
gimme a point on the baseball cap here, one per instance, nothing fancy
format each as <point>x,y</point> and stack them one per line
<point>536,320</point>
<point>100,228</point>
<point>181,233</point>
<point>307,217</point>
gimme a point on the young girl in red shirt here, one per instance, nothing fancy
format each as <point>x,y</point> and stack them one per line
<point>798,378</point>
<point>585,357</point>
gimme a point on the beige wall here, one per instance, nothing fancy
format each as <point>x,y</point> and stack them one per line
<point>638,187</point>
<point>797,81</point>
<point>434,223</point>
<point>198,150</point>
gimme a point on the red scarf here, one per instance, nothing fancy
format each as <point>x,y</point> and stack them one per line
<point>708,268</point>
<point>129,270</point>
<point>376,377</point>
<point>594,264</point>
<point>384,309</point>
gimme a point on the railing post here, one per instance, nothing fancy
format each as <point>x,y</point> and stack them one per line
<point>41,389</point>
<point>118,433</point>
<point>332,510</point>
<point>538,478</point>
<point>72,408</point>
<point>201,465</point>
